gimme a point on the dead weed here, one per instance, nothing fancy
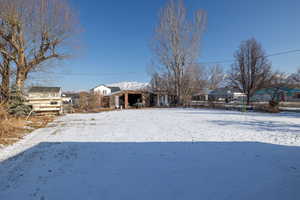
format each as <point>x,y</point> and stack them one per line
<point>13,129</point>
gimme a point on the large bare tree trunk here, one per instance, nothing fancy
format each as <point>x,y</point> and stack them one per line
<point>37,31</point>
<point>20,79</point>
<point>22,70</point>
<point>5,76</point>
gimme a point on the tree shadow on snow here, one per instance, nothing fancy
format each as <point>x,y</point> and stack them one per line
<point>239,113</point>
<point>165,170</point>
<point>261,125</point>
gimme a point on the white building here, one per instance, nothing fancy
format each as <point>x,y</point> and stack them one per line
<point>105,90</point>
<point>101,89</point>
<point>45,99</point>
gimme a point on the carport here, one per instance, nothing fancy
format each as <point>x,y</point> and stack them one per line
<point>127,99</point>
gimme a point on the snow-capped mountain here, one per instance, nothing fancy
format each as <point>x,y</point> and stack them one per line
<point>130,85</point>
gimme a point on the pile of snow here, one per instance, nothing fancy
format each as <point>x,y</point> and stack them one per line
<point>130,85</point>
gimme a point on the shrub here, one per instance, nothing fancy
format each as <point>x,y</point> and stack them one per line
<point>273,103</point>
<point>8,126</point>
<point>267,108</point>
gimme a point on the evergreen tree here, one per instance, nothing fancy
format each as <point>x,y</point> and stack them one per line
<point>17,106</point>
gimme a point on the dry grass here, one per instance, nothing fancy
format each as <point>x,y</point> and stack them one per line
<point>10,128</point>
<point>13,129</point>
<point>290,104</point>
<point>3,113</point>
<point>267,108</point>
<point>40,121</point>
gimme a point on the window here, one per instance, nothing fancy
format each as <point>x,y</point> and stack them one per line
<point>53,102</point>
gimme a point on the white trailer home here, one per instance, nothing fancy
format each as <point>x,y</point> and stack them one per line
<point>46,99</point>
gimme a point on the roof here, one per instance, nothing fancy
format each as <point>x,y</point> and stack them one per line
<point>284,89</point>
<point>130,85</point>
<point>204,91</point>
<point>224,91</point>
<point>114,89</point>
<point>125,91</point>
<point>98,86</point>
<point>72,95</point>
<point>44,89</point>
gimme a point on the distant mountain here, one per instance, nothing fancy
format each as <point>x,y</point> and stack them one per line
<point>130,85</point>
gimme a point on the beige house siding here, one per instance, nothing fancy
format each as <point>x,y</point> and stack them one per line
<point>46,101</point>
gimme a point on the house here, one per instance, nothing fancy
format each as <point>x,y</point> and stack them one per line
<point>71,98</point>
<point>105,90</point>
<point>66,99</point>
<point>284,94</point>
<point>45,99</point>
<point>293,95</point>
<point>138,98</point>
<point>127,99</point>
<point>159,98</point>
<point>202,95</point>
<point>120,95</point>
<point>131,95</point>
<point>226,94</point>
<point>101,91</point>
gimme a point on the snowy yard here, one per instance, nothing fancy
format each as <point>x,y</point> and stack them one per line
<point>158,154</point>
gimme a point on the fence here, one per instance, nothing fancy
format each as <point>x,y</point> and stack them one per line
<point>284,106</point>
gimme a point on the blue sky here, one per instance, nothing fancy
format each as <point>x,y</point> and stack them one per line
<point>117,33</point>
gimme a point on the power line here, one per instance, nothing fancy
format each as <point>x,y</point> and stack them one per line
<point>217,62</point>
<point>90,74</point>
<point>132,73</point>
<point>270,55</point>
<point>284,52</point>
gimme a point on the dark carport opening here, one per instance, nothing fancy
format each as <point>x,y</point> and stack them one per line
<point>122,101</point>
<point>133,99</point>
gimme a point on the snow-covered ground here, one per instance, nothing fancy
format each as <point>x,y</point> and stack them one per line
<point>157,154</point>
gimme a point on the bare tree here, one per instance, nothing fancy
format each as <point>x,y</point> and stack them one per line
<point>294,79</point>
<point>5,79</point>
<point>37,30</point>
<point>193,81</point>
<point>177,42</point>
<point>251,70</point>
<point>84,101</point>
<point>160,83</point>
<point>5,71</point>
<point>278,86</point>
<point>215,77</point>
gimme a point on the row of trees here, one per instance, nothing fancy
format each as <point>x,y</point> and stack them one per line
<point>33,33</point>
<point>176,47</point>
<point>252,71</point>
<point>194,79</point>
